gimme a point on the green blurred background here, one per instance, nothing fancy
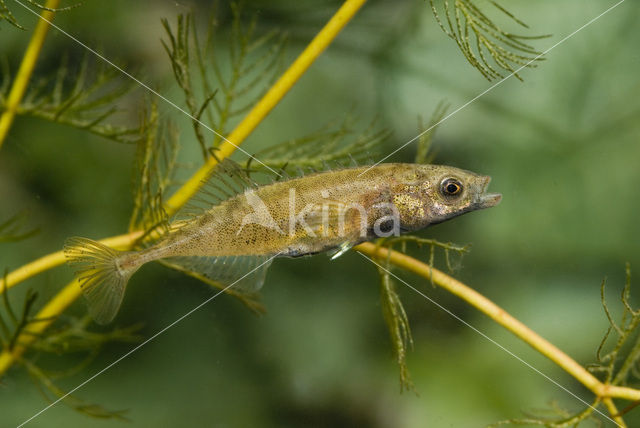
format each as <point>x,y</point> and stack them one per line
<point>562,147</point>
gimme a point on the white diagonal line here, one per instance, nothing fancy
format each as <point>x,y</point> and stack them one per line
<point>492,87</point>
<point>148,88</point>
<point>489,339</point>
<point>145,342</point>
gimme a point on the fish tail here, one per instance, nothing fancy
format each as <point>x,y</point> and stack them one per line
<point>103,274</point>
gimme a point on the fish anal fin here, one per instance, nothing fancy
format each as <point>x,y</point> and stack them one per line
<point>244,274</point>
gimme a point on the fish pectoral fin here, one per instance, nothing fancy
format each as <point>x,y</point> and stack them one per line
<point>340,250</point>
<point>242,273</point>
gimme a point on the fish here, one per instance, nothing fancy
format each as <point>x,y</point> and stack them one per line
<point>240,226</point>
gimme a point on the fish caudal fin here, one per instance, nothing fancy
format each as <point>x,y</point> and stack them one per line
<point>102,278</point>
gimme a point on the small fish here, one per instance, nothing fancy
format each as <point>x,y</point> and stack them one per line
<point>243,226</point>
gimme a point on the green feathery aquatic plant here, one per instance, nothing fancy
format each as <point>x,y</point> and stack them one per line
<point>230,91</point>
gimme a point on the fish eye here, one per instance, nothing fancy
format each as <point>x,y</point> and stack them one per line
<point>451,187</point>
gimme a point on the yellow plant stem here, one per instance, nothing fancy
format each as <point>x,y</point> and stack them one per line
<point>269,100</point>
<point>55,306</point>
<point>26,69</point>
<point>500,316</point>
<point>244,128</point>
<point>613,411</point>
<point>48,314</point>
<point>72,291</point>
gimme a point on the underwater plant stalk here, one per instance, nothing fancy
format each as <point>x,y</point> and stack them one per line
<point>237,136</point>
<point>23,76</point>
<point>273,96</point>
<point>501,317</point>
<point>48,314</point>
<point>72,290</point>
<point>613,410</point>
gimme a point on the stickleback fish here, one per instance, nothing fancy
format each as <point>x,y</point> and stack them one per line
<point>244,226</point>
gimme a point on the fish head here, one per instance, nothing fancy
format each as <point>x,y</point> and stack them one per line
<point>442,192</point>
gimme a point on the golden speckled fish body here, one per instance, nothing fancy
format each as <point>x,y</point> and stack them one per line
<point>325,211</point>
<point>321,211</point>
<point>291,220</point>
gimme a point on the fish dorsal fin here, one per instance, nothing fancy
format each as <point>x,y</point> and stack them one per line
<point>152,235</point>
<point>225,181</point>
<point>243,273</point>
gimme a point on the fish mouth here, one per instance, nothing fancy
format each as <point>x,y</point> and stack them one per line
<point>487,200</point>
